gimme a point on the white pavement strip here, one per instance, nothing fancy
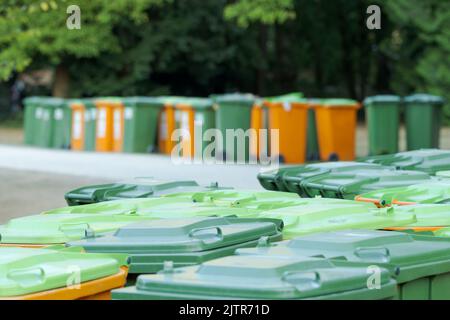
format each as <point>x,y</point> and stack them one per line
<point>125,166</point>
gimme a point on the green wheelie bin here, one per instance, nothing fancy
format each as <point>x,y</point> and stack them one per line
<point>33,113</point>
<point>136,188</point>
<point>141,124</point>
<point>183,242</point>
<point>233,115</point>
<point>345,179</point>
<point>418,263</point>
<point>194,117</point>
<point>49,122</point>
<point>423,120</point>
<point>62,133</point>
<point>383,118</point>
<point>426,160</point>
<point>260,277</point>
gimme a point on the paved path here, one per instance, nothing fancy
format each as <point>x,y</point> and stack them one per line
<point>118,166</point>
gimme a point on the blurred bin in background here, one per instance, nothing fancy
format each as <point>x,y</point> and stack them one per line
<point>383,119</point>
<point>233,112</point>
<point>194,116</point>
<point>336,128</point>
<point>83,124</point>
<point>289,114</point>
<point>423,120</point>
<point>109,127</point>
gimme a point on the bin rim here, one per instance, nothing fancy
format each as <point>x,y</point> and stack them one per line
<point>424,98</point>
<point>380,99</point>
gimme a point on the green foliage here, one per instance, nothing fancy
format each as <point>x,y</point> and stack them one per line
<point>423,29</point>
<point>30,28</point>
<point>263,11</point>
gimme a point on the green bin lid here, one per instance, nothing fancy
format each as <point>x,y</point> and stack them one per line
<point>444,174</point>
<point>136,188</point>
<point>259,200</point>
<point>143,101</point>
<point>156,208</point>
<point>381,99</point>
<point>444,232</point>
<point>423,98</point>
<point>427,215</point>
<point>348,179</point>
<point>26,271</point>
<point>60,228</point>
<point>259,277</point>
<point>426,160</point>
<point>408,256</point>
<point>430,192</point>
<point>196,103</point>
<point>185,241</point>
<point>274,179</point>
<point>317,216</point>
<point>234,97</point>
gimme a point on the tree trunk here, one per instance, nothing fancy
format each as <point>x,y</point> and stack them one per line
<point>61,82</point>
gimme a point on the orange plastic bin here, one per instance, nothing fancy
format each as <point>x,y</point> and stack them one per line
<point>290,117</point>
<point>110,123</point>
<point>167,124</point>
<point>336,128</point>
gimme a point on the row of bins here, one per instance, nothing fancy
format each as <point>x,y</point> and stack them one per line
<point>203,244</point>
<point>308,129</point>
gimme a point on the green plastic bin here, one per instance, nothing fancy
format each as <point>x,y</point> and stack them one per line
<point>31,118</point>
<point>62,132</point>
<point>141,124</point>
<point>312,142</point>
<point>346,179</point>
<point>233,112</point>
<point>426,160</point>
<point>47,121</point>
<point>423,121</point>
<point>319,216</point>
<point>30,274</point>
<point>420,264</point>
<point>430,192</point>
<point>383,113</point>
<point>259,277</point>
<point>274,179</point>
<point>136,188</point>
<point>194,116</point>
<point>184,242</point>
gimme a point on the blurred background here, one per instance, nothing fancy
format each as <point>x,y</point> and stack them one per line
<point>198,47</point>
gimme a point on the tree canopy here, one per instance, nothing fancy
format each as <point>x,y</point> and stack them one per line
<point>198,47</point>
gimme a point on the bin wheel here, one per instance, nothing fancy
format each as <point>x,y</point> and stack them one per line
<point>333,157</point>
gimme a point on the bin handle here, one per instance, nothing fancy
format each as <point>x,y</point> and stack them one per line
<point>27,277</point>
<point>66,228</point>
<point>193,232</point>
<point>302,280</point>
<point>384,252</point>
